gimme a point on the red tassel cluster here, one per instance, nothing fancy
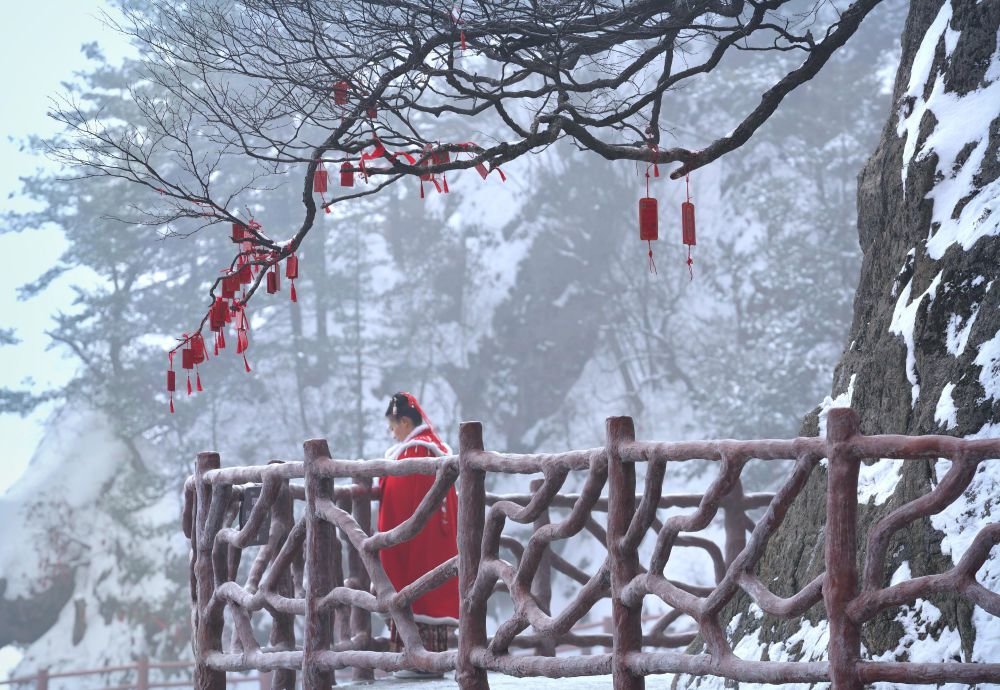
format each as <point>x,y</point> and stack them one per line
<point>434,156</point>
<point>431,155</point>
<point>649,224</point>
<point>229,306</point>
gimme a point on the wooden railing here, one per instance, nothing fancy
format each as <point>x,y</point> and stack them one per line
<point>322,570</point>
<point>142,671</point>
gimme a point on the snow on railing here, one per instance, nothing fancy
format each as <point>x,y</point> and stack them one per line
<point>324,567</point>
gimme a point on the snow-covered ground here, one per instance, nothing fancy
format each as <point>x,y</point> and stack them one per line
<point>501,682</point>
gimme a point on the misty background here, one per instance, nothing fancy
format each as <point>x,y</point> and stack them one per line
<point>526,305</point>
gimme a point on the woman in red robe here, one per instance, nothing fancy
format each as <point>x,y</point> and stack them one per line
<point>437,610</point>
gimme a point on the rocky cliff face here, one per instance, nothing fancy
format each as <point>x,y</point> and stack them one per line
<point>923,354</point>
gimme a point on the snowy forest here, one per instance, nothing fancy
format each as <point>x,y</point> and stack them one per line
<point>527,304</point>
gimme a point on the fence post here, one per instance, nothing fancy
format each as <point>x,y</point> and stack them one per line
<point>734,518</point>
<point>42,681</point>
<point>208,632</point>
<point>320,542</point>
<point>361,620</point>
<point>627,633</point>
<point>283,626</point>
<point>339,563</point>
<point>840,585</point>
<point>471,522</point>
<point>541,585</point>
<point>142,673</point>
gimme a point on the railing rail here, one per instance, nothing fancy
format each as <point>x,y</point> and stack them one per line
<point>320,562</point>
<point>141,669</point>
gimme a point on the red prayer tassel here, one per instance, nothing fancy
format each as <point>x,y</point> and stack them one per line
<point>648,220</point>
<point>687,223</point>
<point>198,380</point>
<point>246,364</point>
<point>171,380</point>
<point>687,226</point>
<point>189,384</point>
<point>319,180</point>
<point>444,182</point>
<point>222,340</point>
<point>217,315</point>
<point>198,353</point>
<point>295,297</point>
<point>648,226</point>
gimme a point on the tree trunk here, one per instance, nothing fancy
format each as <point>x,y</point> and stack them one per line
<point>923,354</point>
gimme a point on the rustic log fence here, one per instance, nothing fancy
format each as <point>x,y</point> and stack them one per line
<point>318,576</point>
<point>141,673</point>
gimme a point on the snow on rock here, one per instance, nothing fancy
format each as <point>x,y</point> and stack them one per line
<point>989,359</point>
<point>903,321</point>
<point>959,523</point>
<point>829,403</point>
<point>957,335</point>
<point>81,509</point>
<point>961,121</point>
<point>75,460</point>
<point>920,642</point>
<point>946,413</point>
<point>877,481</point>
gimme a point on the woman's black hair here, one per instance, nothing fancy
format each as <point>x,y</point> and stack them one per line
<point>399,406</point>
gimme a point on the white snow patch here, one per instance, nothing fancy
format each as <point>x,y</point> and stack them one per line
<point>904,318</point>
<point>920,72</point>
<point>917,644</point>
<point>957,335</point>
<point>902,574</point>
<point>946,413</point>
<point>877,481</point>
<point>10,657</point>
<point>749,647</point>
<point>961,121</point>
<point>989,359</point>
<point>842,400</point>
<point>960,522</point>
<point>75,459</point>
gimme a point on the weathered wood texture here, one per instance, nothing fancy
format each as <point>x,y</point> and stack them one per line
<point>344,583</point>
